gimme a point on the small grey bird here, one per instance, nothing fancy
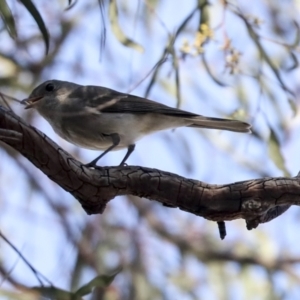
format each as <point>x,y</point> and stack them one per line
<point>99,118</point>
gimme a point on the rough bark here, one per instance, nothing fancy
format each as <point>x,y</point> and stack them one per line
<point>256,201</point>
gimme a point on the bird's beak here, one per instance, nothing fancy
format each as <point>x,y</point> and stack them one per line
<point>30,102</point>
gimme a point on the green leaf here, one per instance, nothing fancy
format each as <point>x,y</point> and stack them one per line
<point>8,19</point>
<point>101,281</point>
<point>293,106</point>
<point>276,155</point>
<point>38,19</point>
<point>116,29</point>
<point>51,292</point>
<point>204,12</point>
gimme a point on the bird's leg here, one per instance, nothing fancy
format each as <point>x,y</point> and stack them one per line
<point>116,140</point>
<point>129,151</point>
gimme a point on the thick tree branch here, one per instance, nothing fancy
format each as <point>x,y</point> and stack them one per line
<point>256,201</point>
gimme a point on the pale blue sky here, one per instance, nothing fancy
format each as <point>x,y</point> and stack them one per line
<point>192,153</point>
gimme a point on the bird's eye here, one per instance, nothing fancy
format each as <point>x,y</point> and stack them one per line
<point>49,87</point>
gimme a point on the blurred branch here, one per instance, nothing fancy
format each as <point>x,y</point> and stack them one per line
<point>169,49</point>
<point>36,273</point>
<point>264,55</point>
<point>256,200</point>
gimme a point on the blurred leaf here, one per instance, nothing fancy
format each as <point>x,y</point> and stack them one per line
<point>204,12</point>
<point>8,67</point>
<point>275,153</point>
<point>297,37</point>
<point>101,281</point>
<point>295,63</point>
<point>70,4</point>
<point>51,292</point>
<point>39,20</point>
<point>168,86</point>
<point>293,106</point>
<point>116,29</point>
<point>8,19</point>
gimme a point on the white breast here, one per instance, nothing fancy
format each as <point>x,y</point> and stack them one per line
<point>93,131</point>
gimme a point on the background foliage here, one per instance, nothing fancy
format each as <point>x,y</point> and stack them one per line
<point>224,58</point>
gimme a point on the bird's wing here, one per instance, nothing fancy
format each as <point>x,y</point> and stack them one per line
<point>107,100</point>
<point>101,100</point>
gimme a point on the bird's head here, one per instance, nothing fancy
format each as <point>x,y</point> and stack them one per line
<point>49,95</point>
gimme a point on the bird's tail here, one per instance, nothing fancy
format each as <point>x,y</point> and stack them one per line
<point>216,123</point>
